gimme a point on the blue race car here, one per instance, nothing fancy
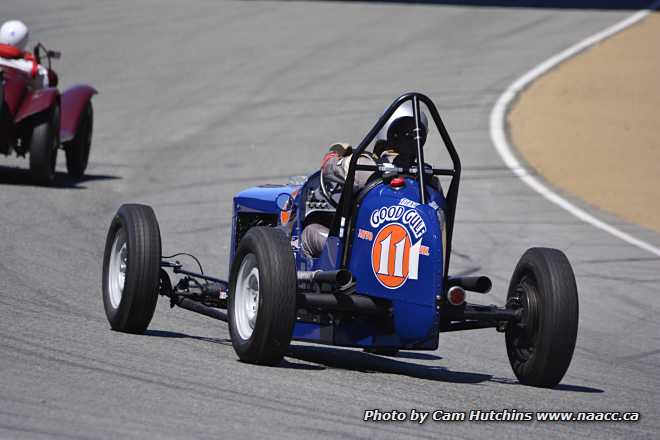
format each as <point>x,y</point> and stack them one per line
<point>379,281</point>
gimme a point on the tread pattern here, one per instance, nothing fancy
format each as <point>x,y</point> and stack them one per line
<point>558,313</point>
<point>46,126</point>
<point>142,273</point>
<point>77,153</point>
<point>277,289</point>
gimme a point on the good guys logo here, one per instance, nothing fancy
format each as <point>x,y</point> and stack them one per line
<point>409,217</point>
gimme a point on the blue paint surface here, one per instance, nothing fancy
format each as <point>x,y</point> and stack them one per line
<point>414,320</point>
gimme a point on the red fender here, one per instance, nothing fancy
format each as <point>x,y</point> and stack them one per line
<point>36,101</point>
<point>73,102</point>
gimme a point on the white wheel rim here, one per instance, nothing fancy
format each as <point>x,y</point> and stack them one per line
<point>117,269</point>
<point>246,297</point>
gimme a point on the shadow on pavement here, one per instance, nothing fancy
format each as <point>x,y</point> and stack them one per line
<point>577,388</point>
<point>560,387</point>
<point>417,355</point>
<point>23,177</point>
<point>369,363</point>
<point>224,341</point>
<point>347,359</point>
<point>177,335</point>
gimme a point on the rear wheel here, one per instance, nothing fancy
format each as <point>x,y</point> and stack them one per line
<point>262,300</point>
<point>540,347</point>
<point>131,269</point>
<point>44,142</point>
<point>77,150</point>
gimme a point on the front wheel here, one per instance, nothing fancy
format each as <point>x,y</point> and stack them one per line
<point>262,299</point>
<point>44,142</point>
<point>131,269</point>
<point>540,347</point>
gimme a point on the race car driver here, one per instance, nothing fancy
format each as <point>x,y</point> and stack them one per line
<point>15,34</point>
<point>395,143</point>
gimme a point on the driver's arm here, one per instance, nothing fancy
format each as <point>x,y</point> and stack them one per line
<point>334,163</point>
<point>335,166</point>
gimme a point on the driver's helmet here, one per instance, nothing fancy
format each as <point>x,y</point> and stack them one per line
<point>14,33</point>
<point>398,132</point>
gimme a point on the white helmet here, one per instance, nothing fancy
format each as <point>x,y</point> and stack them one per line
<point>14,33</point>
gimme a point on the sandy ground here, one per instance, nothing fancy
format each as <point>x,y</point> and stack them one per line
<point>591,127</point>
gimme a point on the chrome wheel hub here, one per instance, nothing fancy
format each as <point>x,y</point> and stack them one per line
<point>246,297</point>
<point>117,269</point>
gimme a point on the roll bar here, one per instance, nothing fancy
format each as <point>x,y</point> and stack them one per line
<point>343,217</point>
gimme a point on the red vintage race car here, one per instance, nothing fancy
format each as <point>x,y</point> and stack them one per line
<point>41,121</point>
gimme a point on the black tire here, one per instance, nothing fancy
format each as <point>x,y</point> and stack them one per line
<point>77,149</point>
<point>44,143</point>
<point>270,334</point>
<point>540,348</point>
<point>133,307</point>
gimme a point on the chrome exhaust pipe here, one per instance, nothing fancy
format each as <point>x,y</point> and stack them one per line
<point>339,278</point>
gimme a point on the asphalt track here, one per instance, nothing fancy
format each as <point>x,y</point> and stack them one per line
<point>201,99</point>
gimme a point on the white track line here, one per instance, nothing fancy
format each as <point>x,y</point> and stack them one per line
<point>505,150</point>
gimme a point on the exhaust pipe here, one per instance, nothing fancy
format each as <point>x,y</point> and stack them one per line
<point>479,284</point>
<point>339,278</point>
<point>339,302</point>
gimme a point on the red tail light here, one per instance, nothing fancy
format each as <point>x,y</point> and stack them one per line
<point>456,295</point>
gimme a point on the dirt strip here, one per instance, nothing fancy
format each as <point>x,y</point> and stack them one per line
<point>591,127</point>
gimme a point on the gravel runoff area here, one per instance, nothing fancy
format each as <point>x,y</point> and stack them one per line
<point>590,127</point>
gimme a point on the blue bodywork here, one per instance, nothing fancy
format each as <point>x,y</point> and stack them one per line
<point>260,200</point>
<point>417,257</point>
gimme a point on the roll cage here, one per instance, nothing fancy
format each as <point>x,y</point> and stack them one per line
<point>343,218</point>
